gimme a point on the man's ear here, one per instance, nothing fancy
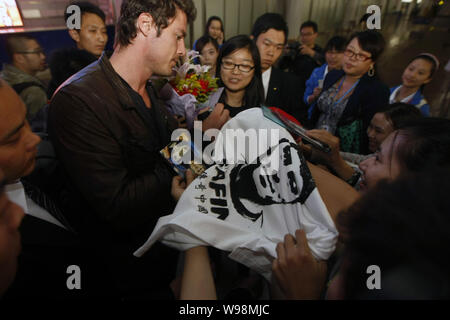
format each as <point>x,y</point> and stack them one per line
<point>75,35</point>
<point>252,37</point>
<point>145,24</point>
<point>18,58</point>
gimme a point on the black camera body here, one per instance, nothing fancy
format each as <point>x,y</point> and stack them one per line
<point>294,45</point>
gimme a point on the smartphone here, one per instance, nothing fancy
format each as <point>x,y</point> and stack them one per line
<point>307,139</point>
<point>295,129</point>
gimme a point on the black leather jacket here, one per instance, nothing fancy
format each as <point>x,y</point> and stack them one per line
<point>116,179</point>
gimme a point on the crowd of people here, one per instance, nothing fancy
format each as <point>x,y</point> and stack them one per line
<point>81,158</point>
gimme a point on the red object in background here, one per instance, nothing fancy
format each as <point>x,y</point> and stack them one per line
<point>287,116</point>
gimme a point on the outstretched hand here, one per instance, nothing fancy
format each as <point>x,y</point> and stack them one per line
<point>307,51</point>
<point>217,118</point>
<point>316,93</point>
<point>333,158</point>
<point>179,184</point>
<point>298,273</point>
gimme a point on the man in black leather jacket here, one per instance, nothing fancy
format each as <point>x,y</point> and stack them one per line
<point>107,127</point>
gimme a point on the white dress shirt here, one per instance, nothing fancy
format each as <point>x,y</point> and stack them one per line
<point>266,79</point>
<point>16,193</point>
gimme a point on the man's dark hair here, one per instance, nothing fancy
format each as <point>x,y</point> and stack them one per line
<point>160,10</point>
<point>254,93</point>
<point>371,41</point>
<point>401,227</point>
<point>425,144</point>
<point>311,24</point>
<point>203,41</point>
<point>85,7</point>
<point>336,43</point>
<point>210,20</point>
<point>399,114</point>
<point>270,21</point>
<point>16,42</point>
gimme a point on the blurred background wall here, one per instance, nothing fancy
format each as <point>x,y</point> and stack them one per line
<point>409,26</point>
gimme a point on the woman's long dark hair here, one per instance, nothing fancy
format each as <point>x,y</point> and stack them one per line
<point>254,93</point>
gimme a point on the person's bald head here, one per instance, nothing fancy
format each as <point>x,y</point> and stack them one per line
<point>25,53</point>
<point>18,145</point>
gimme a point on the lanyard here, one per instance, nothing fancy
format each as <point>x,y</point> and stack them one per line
<point>345,94</point>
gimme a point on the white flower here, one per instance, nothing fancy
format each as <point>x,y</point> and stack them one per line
<point>192,54</point>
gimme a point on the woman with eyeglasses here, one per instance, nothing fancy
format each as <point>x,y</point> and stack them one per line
<point>351,96</point>
<point>239,72</point>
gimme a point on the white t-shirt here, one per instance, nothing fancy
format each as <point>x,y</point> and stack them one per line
<point>248,207</point>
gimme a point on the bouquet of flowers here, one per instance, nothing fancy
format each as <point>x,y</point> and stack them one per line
<point>191,90</point>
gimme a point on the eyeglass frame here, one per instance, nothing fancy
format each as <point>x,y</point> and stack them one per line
<point>236,65</point>
<point>356,55</point>
<point>334,52</point>
<point>40,51</point>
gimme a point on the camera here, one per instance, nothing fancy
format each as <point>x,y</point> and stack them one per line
<point>294,46</point>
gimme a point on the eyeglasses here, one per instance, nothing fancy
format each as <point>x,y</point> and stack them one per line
<point>360,57</point>
<point>228,65</point>
<point>38,51</point>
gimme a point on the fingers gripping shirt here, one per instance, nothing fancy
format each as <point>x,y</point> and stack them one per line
<point>247,207</point>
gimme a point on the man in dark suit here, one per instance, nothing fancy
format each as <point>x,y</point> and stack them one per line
<point>281,89</point>
<point>48,246</point>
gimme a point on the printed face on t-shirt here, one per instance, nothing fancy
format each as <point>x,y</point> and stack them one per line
<point>279,184</point>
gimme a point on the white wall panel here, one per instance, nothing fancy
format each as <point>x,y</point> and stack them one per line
<point>231,18</point>
<point>199,22</point>
<point>245,16</point>
<point>259,8</point>
<point>214,8</point>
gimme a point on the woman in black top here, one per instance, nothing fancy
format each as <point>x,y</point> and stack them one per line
<point>239,71</point>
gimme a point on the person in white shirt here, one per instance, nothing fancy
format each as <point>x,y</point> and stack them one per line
<point>10,218</point>
<point>18,145</point>
<point>18,149</point>
<point>281,89</point>
<point>47,244</point>
<point>17,155</point>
